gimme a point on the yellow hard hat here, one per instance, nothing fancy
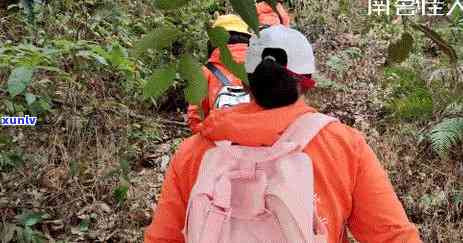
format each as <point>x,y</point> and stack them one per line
<point>231,22</point>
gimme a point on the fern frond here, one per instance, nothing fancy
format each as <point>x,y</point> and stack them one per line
<point>446,134</point>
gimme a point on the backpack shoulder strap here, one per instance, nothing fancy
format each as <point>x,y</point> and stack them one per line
<point>223,79</point>
<point>305,128</point>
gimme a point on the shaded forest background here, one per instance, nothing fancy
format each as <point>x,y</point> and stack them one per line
<point>91,170</point>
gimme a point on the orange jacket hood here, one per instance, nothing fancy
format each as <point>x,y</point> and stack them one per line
<point>238,124</point>
<point>238,52</point>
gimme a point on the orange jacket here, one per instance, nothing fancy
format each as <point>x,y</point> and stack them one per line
<point>268,17</point>
<point>353,188</point>
<point>238,52</point>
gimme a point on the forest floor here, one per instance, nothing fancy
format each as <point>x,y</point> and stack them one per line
<point>74,163</point>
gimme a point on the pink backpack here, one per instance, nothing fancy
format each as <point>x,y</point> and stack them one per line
<point>258,194</point>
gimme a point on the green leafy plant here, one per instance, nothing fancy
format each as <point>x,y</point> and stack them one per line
<point>190,70</point>
<point>10,160</point>
<point>446,134</point>
<point>19,79</point>
<point>247,10</point>
<point>414,107</point>
<point>115,55</point>
<point>337,64</point>
<point>188,67</point>
<point>157,39</point>
<point>123,170</point>
<point>169,4</point>
<point>400,50</point>
<point>84,224</point>
<point>24,232</point>
<point>25,63</point>
<point>160,81</point>
<point>410,99</point>
<point>120,194</point>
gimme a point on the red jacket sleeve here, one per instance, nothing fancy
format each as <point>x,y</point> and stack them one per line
<point>377,214</point>
<point>169,214</point>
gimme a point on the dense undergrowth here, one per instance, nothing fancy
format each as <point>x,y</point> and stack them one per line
<point>92,167</point>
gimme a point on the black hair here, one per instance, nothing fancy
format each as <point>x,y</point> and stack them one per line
<point>270,84</point>
<point>235,38</point>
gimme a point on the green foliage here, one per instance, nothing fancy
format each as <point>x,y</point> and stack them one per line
<point>125,169</point>
<point>41,105</point>
<point>325,83</point>
<point>410,99</point>
<point>196,88</point>
<point>170,4</point>
<point>402,80</point>
<point>29,235</point>
<point>178,32</point>
<point>353,53</point>
<point>84,225</point>
<point>25,233</point>
<point>247,10</point>
<point>237,69</point>
<point>342,61</point>
<point>19,79</point>
<point>10,160</point>
<point>29,9</point>
<point>400,50</point>
<point>115,56</point>
<point>29,55</point>
<point>337,64</point>
<point>120,194</point>
<point>160,81</point>
<point>159,38</point>
<point>145,133</point>
<point>415,106</point>
<point>74,168</point>
<point>30,98</point>
<point>445,135</point>
<point>218,36</point>
<point>31,218</point>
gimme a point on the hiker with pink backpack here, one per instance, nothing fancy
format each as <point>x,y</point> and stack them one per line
<point>276,171</point>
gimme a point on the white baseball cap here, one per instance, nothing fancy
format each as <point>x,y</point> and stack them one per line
<point>298,49</point>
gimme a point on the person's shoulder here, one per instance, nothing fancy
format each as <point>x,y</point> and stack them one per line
<point>190,151</point>
<point>342,133</point>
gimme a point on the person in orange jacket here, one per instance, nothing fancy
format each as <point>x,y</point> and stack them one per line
<point>353,189</point>
<point>238,43</point>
